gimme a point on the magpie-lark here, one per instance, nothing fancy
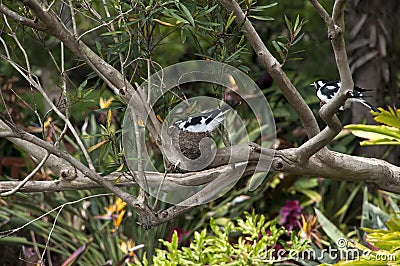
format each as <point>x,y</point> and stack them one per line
<point>326,90</point>
<point>204,122</point>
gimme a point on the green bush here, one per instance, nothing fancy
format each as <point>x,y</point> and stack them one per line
<point>248,241</point>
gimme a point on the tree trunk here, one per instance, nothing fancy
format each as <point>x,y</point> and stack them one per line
<point>373,58</point>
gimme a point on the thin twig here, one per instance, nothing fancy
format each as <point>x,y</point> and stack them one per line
<point>71,9</point>
<point>159,189</point>
<point>37,85</point>
<point>50,233</point>
<point>104,24</point>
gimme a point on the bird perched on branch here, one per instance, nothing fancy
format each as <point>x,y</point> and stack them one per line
<point>205,122</point>
<point>326,90</point>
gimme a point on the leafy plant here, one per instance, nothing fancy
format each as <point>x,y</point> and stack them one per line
<point>382,248</point>
<point>387,134</point>
<point>251,240</point>
<point>379,247</point>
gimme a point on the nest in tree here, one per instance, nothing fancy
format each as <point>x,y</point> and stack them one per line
<point>189,142</point>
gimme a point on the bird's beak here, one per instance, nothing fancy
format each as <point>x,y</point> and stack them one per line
<point>312,84</point>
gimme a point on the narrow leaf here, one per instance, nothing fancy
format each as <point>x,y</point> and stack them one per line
<point>374,132</point>
<point>330,229</point>
<point>298,39</point>
<point>230,20</point>
<point>163,22</point>
<point>112,33</point>
<point>187,13</point>
<point>177,17</point>
<point>289,25</point>
<point>278,49</point>
<point>96,146</point>
<point>262,18</point>
<point>296,24</point>
<point>109,118</point>
<point>259,8</point>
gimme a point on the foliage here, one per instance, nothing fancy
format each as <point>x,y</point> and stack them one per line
<point>151,35</point>
<point>379,247</point>
<point>293,38</point>
<point>251,240</point>
<point>387,134</point>
<point>81,228</point>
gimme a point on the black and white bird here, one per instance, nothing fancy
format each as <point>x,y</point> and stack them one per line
<point>205,122</point>
<point>326,90</point>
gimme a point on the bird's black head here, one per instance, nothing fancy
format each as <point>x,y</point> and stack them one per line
<point>319,83</point>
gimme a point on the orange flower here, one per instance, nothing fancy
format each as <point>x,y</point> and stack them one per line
<point>114,212</point>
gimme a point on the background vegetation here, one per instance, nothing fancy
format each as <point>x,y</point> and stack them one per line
<point>95,230</point>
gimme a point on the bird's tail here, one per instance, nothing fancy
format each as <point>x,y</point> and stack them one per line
<point>370,106</point>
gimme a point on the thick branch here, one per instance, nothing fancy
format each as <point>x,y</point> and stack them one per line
<point>274,69</point>
<point>328,111</point>
<point>300,161</point>
<point>64,185</point>
<point>333,165</point>
<point>172,182</point>
<point>105,71</point>
<point>143,209</point>
<point>23,20</point>
<point>326,17</point>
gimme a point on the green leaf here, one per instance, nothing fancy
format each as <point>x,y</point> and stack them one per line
<point>187,13</point>
<point>329,228</point>
<point>376,134</point>
<point>98,48</point>
<point>347,204</point>
<point>378,142</point>
<point>240,43</point>
<point>289,25</point>
<point>262,18</point>
<point>393,224</point>
<point>312,195</point>
<point>256,180</point>
<point>235,55</point>
<point>295,58</point>
<point>281,44</point>
<point>82,85</point>
<point>211,9</point>
<point>112,33</point>
<point>176,16</point>
<point>296,24</point>
<point>390,118</point>
<point>298,39</point>
<point>230,20</point>
<point>260,8</point>
<point>278,49</point>
<point>372,216</point>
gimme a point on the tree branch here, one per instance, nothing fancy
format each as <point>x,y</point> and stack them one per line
<point>23,20</point>
<point>305,160</point>
<point>274,69</point>
<point>329,110</point>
